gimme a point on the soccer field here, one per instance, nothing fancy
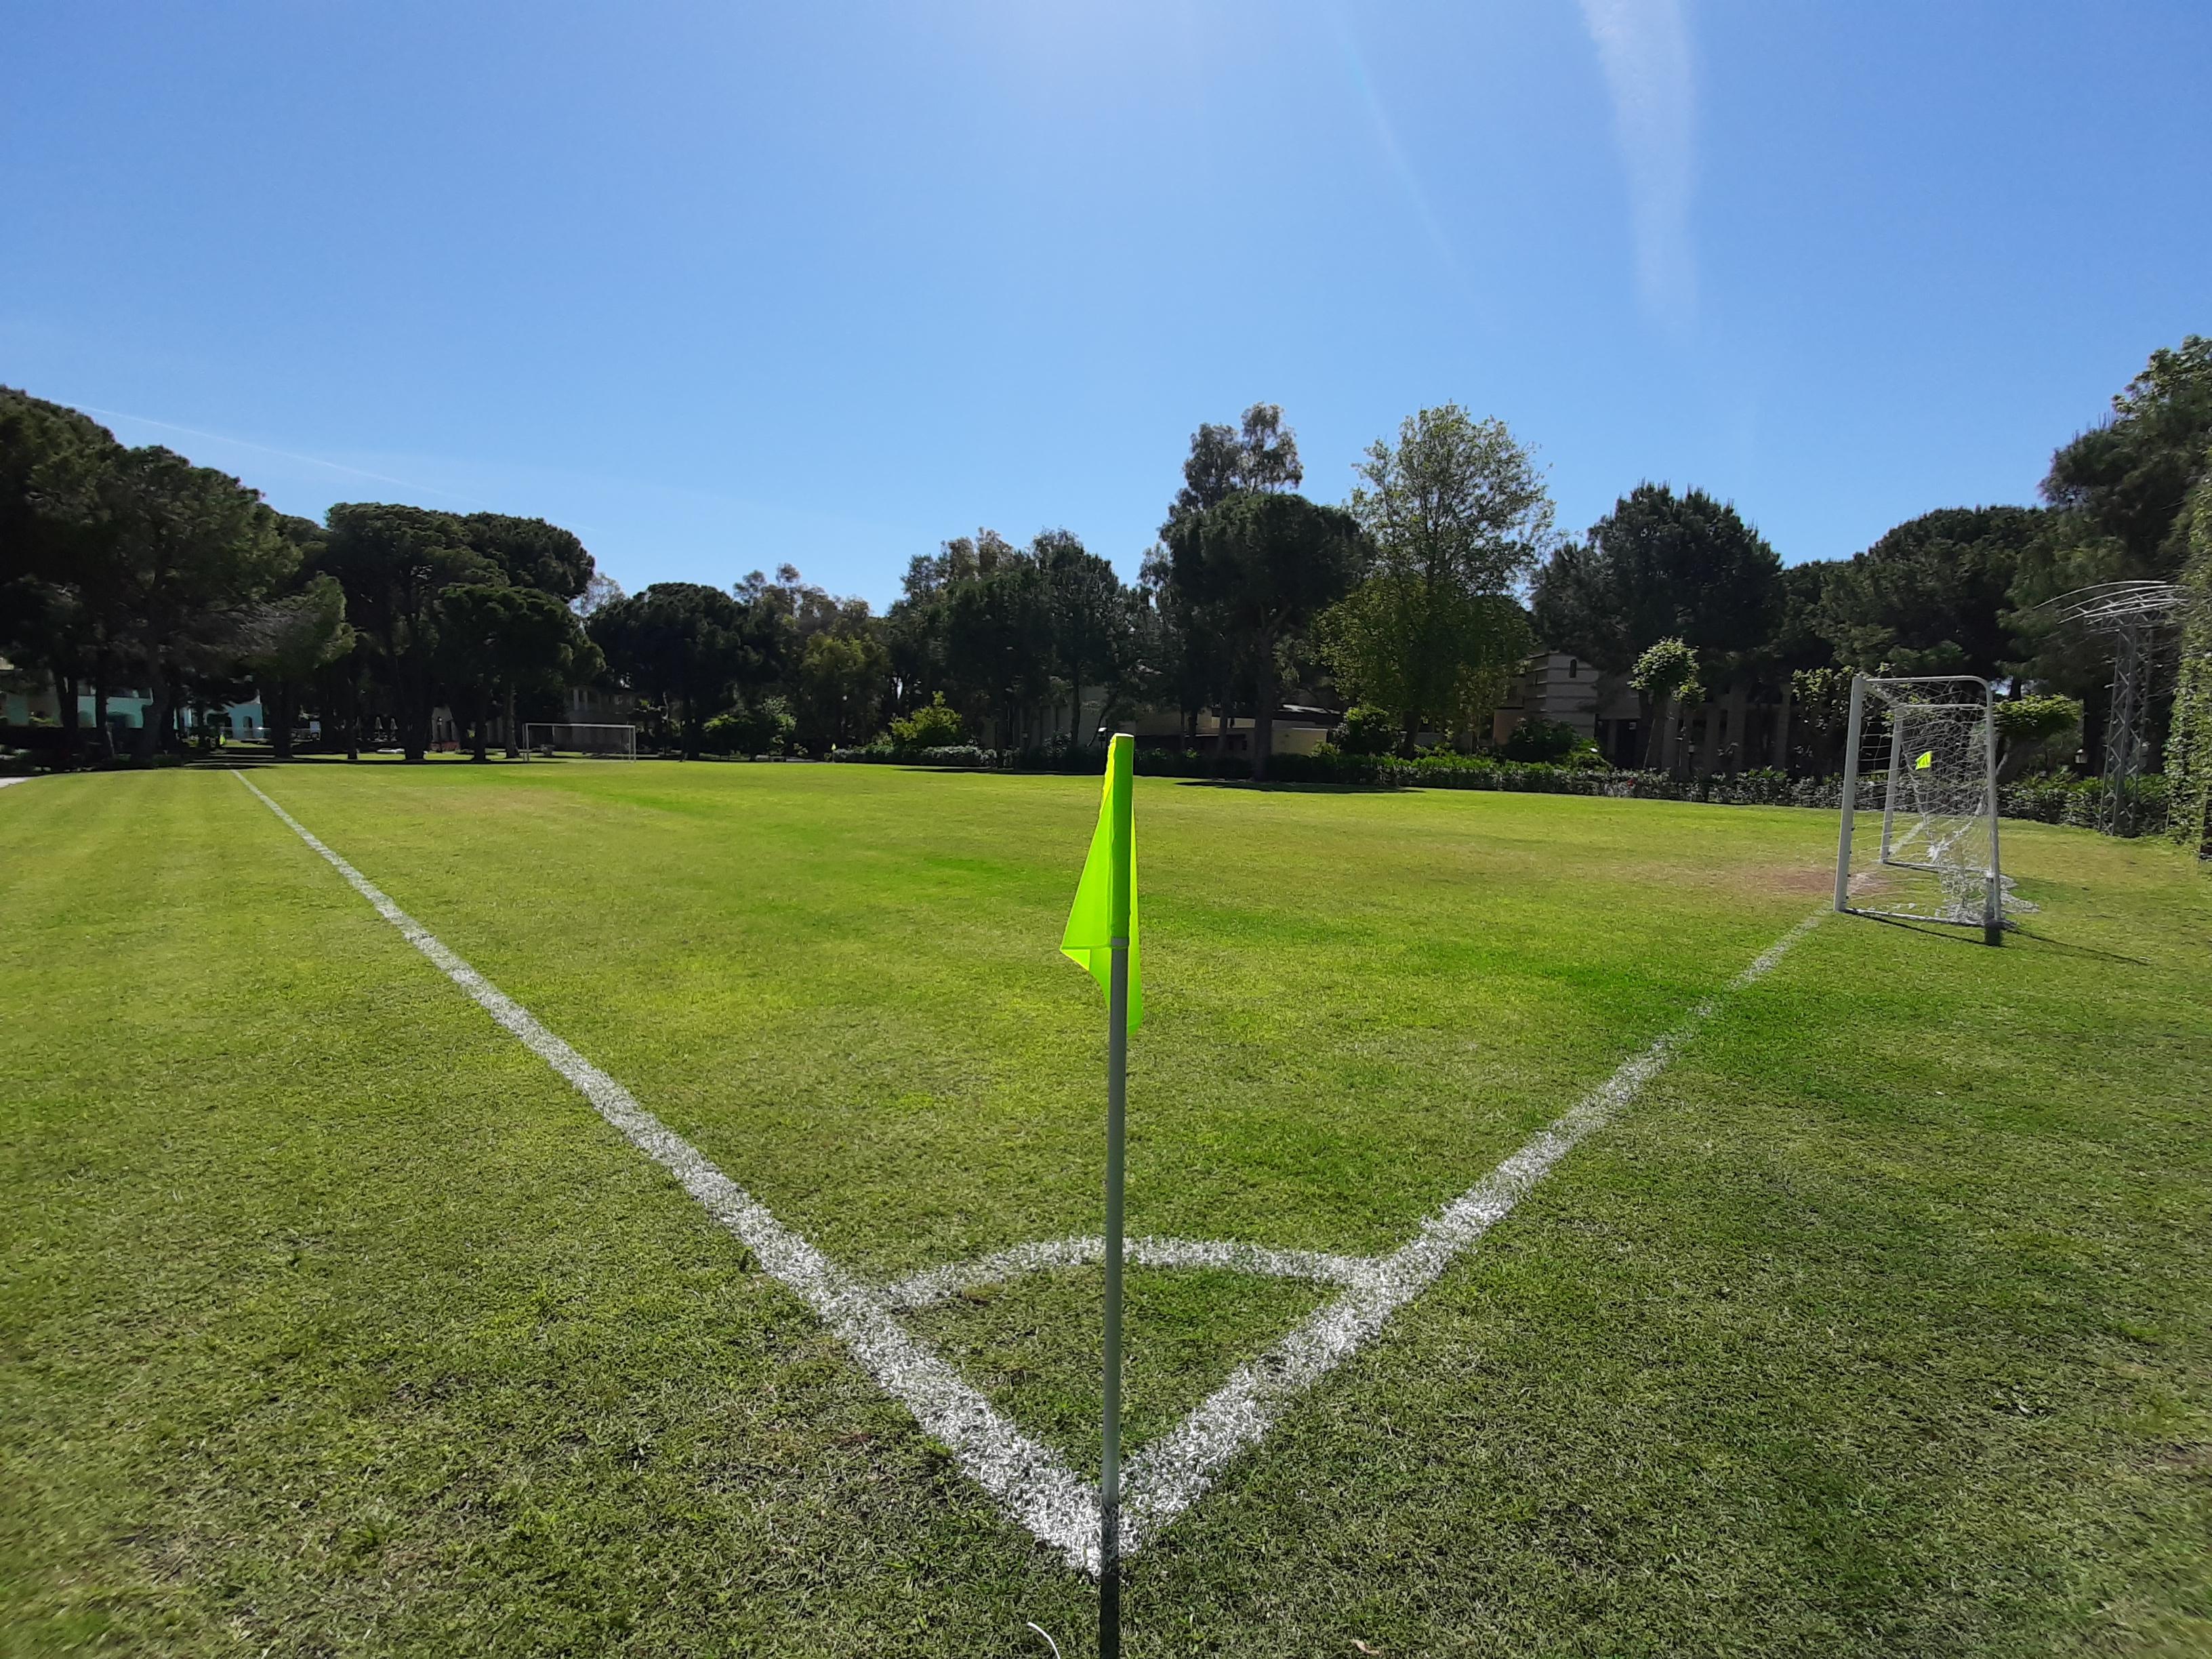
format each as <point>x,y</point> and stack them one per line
<point>1858,1303</point>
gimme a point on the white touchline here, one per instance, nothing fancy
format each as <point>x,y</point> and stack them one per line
<point>1029,1481</point>
<point>4,782</point>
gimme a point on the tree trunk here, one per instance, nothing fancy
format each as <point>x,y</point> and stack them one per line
<point>66,711</point>
<point>412,697</point>
<point>280,712</point>
<point>154,724</point>
<point>1264,693</point>
<point>105,735</point>
<point>513,732</point>
<point>1654,708</point>
<point>482,712</point>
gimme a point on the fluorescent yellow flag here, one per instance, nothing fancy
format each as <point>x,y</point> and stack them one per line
<point>1926,760</point>
<point>1106,898</point>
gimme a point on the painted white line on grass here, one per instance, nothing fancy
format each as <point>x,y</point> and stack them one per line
<point>1029,1481</point>
<point>4,782</point>
<point>1166,1476</point>
<point>925,1290</point>
<point>1033,1485</point>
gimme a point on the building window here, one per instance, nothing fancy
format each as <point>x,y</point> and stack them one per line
<point>1574,669</point>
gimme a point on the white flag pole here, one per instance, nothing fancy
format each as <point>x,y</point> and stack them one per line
<point>1109,1470</point>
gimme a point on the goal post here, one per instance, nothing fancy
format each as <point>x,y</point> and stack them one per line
<point>544,740</point>
<point>1922,751</point>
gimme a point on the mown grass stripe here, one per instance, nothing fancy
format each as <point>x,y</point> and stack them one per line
<point>1166,1476</point>
<point>1169,1474</point>
<point>1028,1481</point>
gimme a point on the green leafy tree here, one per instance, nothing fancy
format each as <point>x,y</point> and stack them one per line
<point>1196,651</point>
<point>1369,730</point>
<point>1662,565</point>
<point>2119,495</point>
<point>1425,657</point>
<point>917,629</point>
<point>932,725</point>
<point>1259,456</point>
<point>394,563</point>
<point>1821,699</point>
<point>60,578</point>
<point>117,559</point>
<point>1541,740</point>
<point>1798,641</point>
<point>761,725</point>
<point>498,642</point>
<point>1456,514</point>
<point>2028,725</point>
<point>840,680</point>
<point>2188,747</point>
<point>2121,490</point>
<point>1265,565</point>
<point>1666,674</point>
<point>301,636</point>
<point>682,647</point>
<point>531,553</point>
<point>198,555</point>
<point>1932,596</point>
<point>1092,617</point>
<point>997,644</point>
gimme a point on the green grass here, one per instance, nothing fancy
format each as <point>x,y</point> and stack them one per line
<point>332,1321</point>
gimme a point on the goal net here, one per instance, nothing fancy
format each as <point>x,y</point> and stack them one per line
<point>543,739</point>
<point>1919,834</point>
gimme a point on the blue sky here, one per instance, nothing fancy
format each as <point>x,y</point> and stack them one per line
<point>721,287</point>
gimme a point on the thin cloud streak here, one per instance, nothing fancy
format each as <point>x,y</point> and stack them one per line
<point>286,454</point>
<point>1645,48</point>
<point>1401,165</point>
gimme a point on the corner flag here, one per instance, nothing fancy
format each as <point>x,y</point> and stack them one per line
<point>1102,939</point>
<point>1106,898</point>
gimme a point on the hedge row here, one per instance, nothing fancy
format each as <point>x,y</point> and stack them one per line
<point>2056,799</point>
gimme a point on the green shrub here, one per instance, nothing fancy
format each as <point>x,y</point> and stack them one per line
<point>2036,718</point>
<point>935,726</point>
<point>2188,749</point>
<point>1368,730</point>
<point>1541,740</point>
<point>761,728</point>
<point>882,753</point>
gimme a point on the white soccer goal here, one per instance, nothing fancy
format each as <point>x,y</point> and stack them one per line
<point>1923,754</point>
<point>543,739</point>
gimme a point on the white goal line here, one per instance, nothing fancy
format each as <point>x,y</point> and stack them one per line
<point>1030,1482</point>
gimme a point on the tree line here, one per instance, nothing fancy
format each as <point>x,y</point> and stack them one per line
<point>1410,606</point>
<point>1957,590</point>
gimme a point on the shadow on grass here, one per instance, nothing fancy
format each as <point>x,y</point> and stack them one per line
<point>2015,935</point>
<point>2059,947</point>
<point>255,762</point>
<point>1949,933</point>
<point>1297,788</point>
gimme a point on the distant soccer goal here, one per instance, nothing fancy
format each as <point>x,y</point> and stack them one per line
<point>544,740</point>
<point>1919,834</point>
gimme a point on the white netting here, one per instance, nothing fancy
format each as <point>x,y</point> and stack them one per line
<point>543,739</point>
<point>1921,840</point>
